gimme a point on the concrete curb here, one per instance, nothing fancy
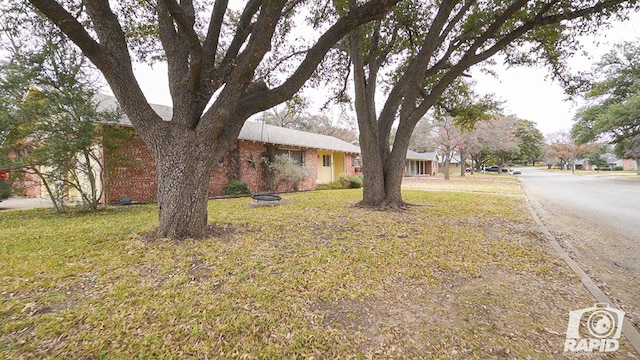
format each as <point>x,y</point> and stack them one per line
<point>628,330</point>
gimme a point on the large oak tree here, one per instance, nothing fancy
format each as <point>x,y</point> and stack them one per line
<point>213,65</point>
<point>415,55</point>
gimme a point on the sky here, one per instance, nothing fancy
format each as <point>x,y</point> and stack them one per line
<point>526,91</point>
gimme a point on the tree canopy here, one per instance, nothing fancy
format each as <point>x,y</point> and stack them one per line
<point>614,114</point>
<point>615,95</point>
<point>417,55</point>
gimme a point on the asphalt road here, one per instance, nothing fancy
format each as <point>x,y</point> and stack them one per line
<point>596,219</point>
<point>612,201</point>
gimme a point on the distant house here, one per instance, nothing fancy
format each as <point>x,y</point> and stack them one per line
<point>613,162</point>
<point>421,164</point>
<point>131,171</point>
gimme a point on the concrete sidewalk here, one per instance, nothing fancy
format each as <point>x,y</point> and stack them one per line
<point>24,203</point>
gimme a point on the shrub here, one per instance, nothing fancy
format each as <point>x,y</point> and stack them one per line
<point>350,182</point>
<point>237,187</point>
<point>289,172</point>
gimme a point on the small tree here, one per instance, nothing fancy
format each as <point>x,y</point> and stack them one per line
<point>629,148</point>
<point>566,150</point>
<point>596,157</point>
<point>54,132</point>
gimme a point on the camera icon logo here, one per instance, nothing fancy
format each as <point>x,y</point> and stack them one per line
<point>595,328</point>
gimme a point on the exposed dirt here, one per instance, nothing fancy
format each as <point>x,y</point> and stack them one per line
<point>497,315</point>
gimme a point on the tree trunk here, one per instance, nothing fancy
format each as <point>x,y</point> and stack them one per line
<point>445,168</point>
<point>184,169</point>
<point>373,193</point>
<point>384,189</point>
<point>637,166</point>
<point>447,163</point>
<point>383,172</point>
<point>394,171</point>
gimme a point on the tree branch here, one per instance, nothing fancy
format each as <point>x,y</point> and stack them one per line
<point>210,46</point>
<point>372,10</point>
<point>71,28</point>
<point>185,25</point>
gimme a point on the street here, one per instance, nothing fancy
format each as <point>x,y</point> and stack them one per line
<point>596,219</point>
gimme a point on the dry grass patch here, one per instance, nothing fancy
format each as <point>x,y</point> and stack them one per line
<point>462,276</point>
<point>476,183</point>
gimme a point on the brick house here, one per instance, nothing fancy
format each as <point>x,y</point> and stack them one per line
<point>325,158</point>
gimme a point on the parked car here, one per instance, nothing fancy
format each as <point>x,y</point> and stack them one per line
<point>5,186</point>
<point>516,172</point>
<point>495,168</point>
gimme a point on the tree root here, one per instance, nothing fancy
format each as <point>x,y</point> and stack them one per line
<point>386,206</point>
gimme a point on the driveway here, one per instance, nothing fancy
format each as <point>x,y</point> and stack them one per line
<point>21,204</point>
<point>596,218</point>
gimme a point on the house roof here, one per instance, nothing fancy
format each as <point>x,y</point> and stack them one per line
<point>251,131</point>
<point>261,132</point>
<point>412,155</point>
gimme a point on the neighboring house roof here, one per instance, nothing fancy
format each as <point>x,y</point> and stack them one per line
<point>109,103</point>
<point>612,159</point>
<point>251,131</point>
<point>412,155</point>
<point>455,159</point>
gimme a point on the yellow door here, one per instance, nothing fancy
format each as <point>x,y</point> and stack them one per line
<point>338,164</point>
<point>325,173</point>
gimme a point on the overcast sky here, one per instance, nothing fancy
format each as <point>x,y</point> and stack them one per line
<point>525,90</point>
<point>529,95</point>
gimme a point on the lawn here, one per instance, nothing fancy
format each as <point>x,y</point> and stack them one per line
<point>459,275</point>
<point>489,183</point>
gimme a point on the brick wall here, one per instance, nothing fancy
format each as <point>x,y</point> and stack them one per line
<point>32,186</point>
<point>629,164</point>
<point>349,168</point>
<point>130,173</point>
<point>133,175</point>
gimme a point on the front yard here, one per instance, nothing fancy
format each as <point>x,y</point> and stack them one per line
<point>460,275</point>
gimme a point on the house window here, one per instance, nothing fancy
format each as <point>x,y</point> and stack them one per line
<point>296,155</point>
<point>356,161</point>
<point>326,160</point>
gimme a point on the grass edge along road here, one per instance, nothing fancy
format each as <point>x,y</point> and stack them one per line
<point>461,275</point>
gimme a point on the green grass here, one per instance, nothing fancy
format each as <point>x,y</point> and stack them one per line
<point>296,280</point>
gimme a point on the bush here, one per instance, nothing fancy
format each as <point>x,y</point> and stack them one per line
<point>288,172</point>
<point>350,182</point>
<point>237,187</point>
<point>344,182</point>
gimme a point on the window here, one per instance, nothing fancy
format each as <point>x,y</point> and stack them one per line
<point>297,155</point>
<point>356,161</point>
<point>326,160</point>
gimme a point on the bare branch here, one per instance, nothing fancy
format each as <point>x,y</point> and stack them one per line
<point>374,9</point>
